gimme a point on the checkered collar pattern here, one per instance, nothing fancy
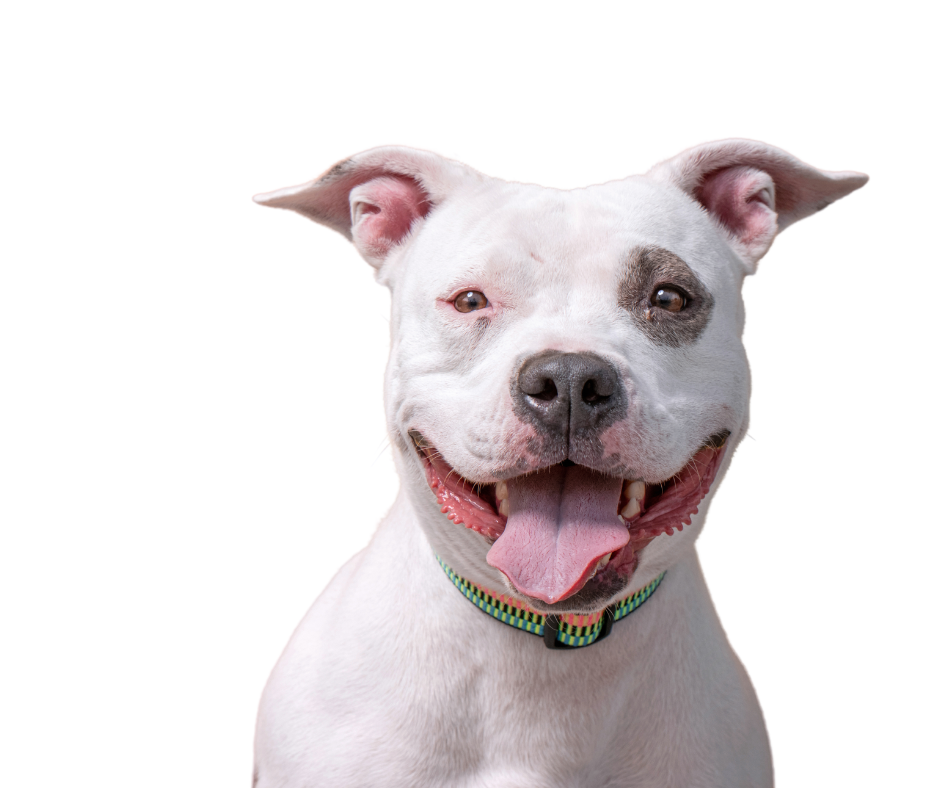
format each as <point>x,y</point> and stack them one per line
<point>558,632</point>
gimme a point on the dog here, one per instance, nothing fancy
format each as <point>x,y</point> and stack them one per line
<point>565,389</point>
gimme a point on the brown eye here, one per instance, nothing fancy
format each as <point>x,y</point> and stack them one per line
<point>669,298</point>
<point>470,301</point>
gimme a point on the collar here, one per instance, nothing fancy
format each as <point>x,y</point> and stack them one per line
<point>566,631</point>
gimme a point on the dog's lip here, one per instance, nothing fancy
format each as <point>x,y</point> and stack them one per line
<point>425,449</point>
<point>667,506</point>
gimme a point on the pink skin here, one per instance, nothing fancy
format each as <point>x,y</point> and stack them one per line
<point>388,208</point>
<point>741,198</point>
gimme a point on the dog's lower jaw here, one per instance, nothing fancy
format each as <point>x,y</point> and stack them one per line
<point>606,573</point>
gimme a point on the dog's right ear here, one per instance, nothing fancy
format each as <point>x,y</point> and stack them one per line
<point>378,199</point>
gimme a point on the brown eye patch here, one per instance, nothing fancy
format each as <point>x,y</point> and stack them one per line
<point>470,301</point>
<point>665,298</point>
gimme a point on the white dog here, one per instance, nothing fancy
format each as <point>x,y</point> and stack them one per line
<point>565,390</point>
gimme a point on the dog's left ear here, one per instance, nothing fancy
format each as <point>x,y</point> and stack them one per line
<point>378,199</point>
<point>753,190</point>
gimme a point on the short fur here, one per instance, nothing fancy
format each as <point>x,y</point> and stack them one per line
<point>413,685</point>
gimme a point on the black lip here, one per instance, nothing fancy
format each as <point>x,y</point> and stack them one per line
<point>717,440</point>
<point>418,440</point>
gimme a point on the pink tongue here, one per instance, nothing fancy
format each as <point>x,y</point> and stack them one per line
<point>562,521</point>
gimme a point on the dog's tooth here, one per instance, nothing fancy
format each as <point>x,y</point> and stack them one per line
<point>636,490</point>
<point>620,517</point>
<point>632,509</point>
<point>504,508</point>
<point>601,563</point>
<point>502,491</point>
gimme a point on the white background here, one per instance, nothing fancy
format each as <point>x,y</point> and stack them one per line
<point>191,430</point>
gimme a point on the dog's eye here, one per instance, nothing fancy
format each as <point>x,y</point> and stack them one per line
<point>672,299</point>
<point>470,301</point>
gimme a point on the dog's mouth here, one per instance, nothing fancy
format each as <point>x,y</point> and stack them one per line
<point>568,532</point>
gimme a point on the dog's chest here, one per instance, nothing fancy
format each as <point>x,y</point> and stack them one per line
<point>429,721</point>
<point>460,699</point>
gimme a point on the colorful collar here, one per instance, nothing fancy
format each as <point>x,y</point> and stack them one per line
<point>565,631</point>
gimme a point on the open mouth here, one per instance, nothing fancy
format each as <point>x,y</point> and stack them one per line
<point>568,532</point>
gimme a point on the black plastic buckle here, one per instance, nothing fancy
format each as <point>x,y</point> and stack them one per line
<point>550,635</point>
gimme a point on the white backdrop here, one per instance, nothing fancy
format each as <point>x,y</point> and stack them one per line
<point>191,431</point>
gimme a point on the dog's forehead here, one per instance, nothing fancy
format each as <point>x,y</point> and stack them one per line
<point>545,234</point>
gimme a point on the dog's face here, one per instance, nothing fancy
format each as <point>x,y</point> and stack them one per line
<point>566,375</point>
<point>567,344</point>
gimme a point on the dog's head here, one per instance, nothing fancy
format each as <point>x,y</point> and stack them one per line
<point>567,379</point>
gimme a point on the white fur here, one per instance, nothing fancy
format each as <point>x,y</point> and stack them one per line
<point>393,678</point>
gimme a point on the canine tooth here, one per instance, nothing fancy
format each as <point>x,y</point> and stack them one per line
<point>620,517</point>
<point>601,563</point>
<point>632,509</point>
<point>502,492</point>
<point>504,508</point>
<point>636,490</point>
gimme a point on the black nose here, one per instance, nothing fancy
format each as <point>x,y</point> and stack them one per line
<point>567,392</point>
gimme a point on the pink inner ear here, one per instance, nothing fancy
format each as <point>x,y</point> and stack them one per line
<point>383,212</point>
<point>742,199</point>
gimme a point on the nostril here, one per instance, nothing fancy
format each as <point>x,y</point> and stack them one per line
<point>547,390</point>
<point>591,395</point>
